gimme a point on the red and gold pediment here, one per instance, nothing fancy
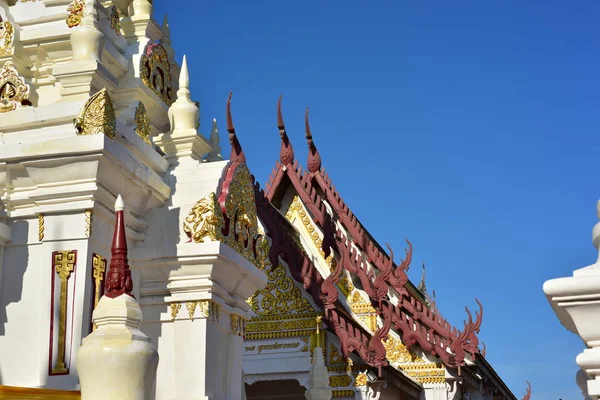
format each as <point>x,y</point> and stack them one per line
<point>155,71</point>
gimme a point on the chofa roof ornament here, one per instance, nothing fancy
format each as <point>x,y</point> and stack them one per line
<point>286,153</point>
<point>237,154</point>
<point>314,158</point>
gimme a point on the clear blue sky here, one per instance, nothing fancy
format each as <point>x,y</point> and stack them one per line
<point>470,127</point>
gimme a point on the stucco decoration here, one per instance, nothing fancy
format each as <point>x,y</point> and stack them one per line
<point>13,89</point>
<point>97,116</point>
<point>7,38</point>
<point>75,11</point>
<point>142,123</point>
<point>155,71</point>
<point>230,217</point>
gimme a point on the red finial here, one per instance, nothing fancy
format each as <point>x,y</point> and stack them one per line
<point>237,154</point>
<point>484,350</point>
<point>314,158</point>
<point>528,393</point>
<point>286,153</point>
<point>119,280</point>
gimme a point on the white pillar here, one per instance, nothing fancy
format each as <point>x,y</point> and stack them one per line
<point>575,302</point>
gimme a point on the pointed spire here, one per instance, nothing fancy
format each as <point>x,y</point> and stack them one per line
<point>119,281</point>
<point>215,140</point>
<point>184,80</point>
<point>237,154</point>
<point>318,378</point>
<point>166,30</point>
<point>286,153</point>
<point>314,158</point>
<point>422,287</point>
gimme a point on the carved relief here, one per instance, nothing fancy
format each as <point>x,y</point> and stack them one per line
<point>142,123</point>
<point>237,323</point>
<point>195,309</point>
<point>396,351</point>
<point>7,38</point>
<point>281,326</point>
<point>365,311</point>
<point>205,220</point>
<point>13,89</point>
<point>334,355</point>
<point>63,264</point>
<point>97,116</point>
<point>75,11</point>
<point>155,71</point>
<point>88,222</point>
<point>115,20</point>
<point>340,380</point>
<point>361,380</point>
<point>41,227</point>
<point>231,218</point>
<point>281,296</point>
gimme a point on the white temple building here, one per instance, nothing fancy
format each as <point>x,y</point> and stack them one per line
<point>194,283</point>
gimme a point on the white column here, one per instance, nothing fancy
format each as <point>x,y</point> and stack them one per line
<point>576,302</point>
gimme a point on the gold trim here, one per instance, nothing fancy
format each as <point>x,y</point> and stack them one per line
<point>340,380</point>
<point>191,307</point>
<point>64,264</point>
<point>342,393</point>
<point>361,380</point>
<point>175,307</point>
<point>115,20</point>
<point>13,89</point>
<point>41,227</point>
<point>89,214</point>
<point>237,323</point>
<point>142,123</point>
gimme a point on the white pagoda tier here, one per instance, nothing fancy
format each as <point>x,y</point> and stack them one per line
<point>245,293</point>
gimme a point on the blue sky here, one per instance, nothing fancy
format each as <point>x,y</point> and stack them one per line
<point>469,127</point>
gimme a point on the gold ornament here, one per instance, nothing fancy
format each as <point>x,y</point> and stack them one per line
<point>281,296</point>
<point>361,380</point>
<point>205,220</point>
<point>155,70</point>
<point>342,393</point>
<point>340,380</point>
<point>142,124</point>
<point>345,284</point>
<point>88,222</point>
<point>75,10</point>
<point>296,210</point>
<point>191,307</point>
<point>7,39</point>
<point>64,264</point>
<point>237,324</point>
<point>175,307</point>
<point>395,351</point>
<point>13,89</point>
<point>97,116</point>
<point>115,19</point>
<point>41,227</point>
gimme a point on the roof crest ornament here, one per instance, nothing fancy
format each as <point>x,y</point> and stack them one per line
<point>422,286</point>
<point>314,157</point>
<point>118,279</point>
<point>528,393</point>
<point>237,153</point>
<point>286,153</point>
<point>215,140</point>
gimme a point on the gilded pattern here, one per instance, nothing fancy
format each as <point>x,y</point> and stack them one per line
<point>206,308</point>
<point>396,351</point>
<point>175,307</point>
<point>191,307</point>
<point>88,222</point>
<point>205,220</point>
<point>98,273</point>
<point>63,265</point>
<point>297,209</point>
<point>237,324</point>
<point>280,296</point>
<point>142,123</point>
<point>75,10</point>
<point>13,89</point>
<point>155,70</point>
<point>342,393</point>
<point>115,20</point>
<point>7,39</point>
<point>365,311</point>
<point>41,227</point>
<point>340,380</point>
<point>361,380</point>
<point>97,116</point>
<point>281,326</point>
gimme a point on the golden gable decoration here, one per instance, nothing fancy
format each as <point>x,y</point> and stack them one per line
<point>231,218</point>
<point>155,71</point>
<point>13,89</point>
<point>395,351</point>
<point>281,296</point>
<point>97,116</point>
<point>7,38</point>
<point>142,123</point>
